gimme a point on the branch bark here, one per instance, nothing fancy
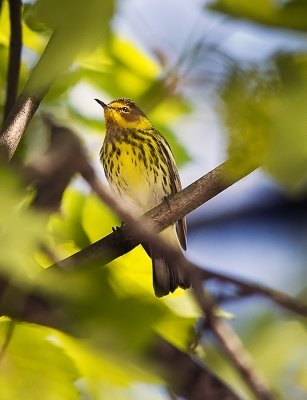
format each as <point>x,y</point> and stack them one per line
<point>16,124</point>
<point>14,55</point>
<point>177,206</point>
<point>251,288</point>
<point>230,342</point>
<point>29,100</point>
<point>188,379</point>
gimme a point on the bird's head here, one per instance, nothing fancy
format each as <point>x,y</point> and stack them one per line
<point>125,113</point>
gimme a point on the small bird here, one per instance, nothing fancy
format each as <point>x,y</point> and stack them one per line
<point>140,167</point>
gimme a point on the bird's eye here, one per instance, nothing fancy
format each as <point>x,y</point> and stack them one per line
<point>125,109</point>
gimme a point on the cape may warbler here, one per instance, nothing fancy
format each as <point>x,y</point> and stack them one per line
<point>140,167</point>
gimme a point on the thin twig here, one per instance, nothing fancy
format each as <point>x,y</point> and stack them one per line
<point>230,342</point>
<point>14,55</point>
<point>251,288</point>
<point>191,380</point>
<point>240,358</point>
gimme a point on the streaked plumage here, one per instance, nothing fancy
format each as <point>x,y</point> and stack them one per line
<point>140,167</point>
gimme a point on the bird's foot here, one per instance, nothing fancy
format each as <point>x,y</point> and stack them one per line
<point>118,227</point>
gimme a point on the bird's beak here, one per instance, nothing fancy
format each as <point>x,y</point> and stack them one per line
<point>104,105</point>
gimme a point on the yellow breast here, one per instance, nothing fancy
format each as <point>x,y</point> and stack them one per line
<point>136,173</point>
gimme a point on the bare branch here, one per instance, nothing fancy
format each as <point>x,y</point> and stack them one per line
<point>14,55</point>
<point>237,354</point>
<point>15,125</point>
<point>187,378</point>
<point>251,288</point>
<point>163,215</point>
<point>27,104</point>
<point>230,342</point>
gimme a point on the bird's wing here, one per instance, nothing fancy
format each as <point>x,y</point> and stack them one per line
<point>181,226</point>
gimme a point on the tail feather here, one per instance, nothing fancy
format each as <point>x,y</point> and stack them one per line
<point>166,276</point>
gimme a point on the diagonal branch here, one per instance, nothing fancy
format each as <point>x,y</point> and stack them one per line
<point>230,342</point>
<point>188,379</point>
<point>16,124</point>
<point>14,55</point>
<point>31,96</point>
<point>250,288</point>
<point>177,206</point>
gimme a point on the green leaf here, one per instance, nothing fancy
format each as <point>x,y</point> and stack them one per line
<point>5,25</point>
<point>76,26</point>
<point>119,68</point>
<point>34,367</point>
<point>248,110</point>
<point>97,218</point>
<point>283,14</point>
<point>66,226</point>
<point>287,161</point>
<point>266,122</point>
<point>22,230</point>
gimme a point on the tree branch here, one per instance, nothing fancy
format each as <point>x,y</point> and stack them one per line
<point>188,379</point>
<point>230,342</point>
<point>251,288</point>
<point>14,55</point>
<point>16,124</point>
<point>177,206</point>
<point>29,100</point>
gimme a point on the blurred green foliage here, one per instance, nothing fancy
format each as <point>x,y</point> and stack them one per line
<point>113,312</point>
<point>277,347</point>
<point>263,105</point>
<point>281,14</point>
<point>22,231</point>
<point>264,114</point>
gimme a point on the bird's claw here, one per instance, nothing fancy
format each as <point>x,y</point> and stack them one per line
<point>118,227</point>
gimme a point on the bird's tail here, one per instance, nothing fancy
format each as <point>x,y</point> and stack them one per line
<point>167,277</point>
